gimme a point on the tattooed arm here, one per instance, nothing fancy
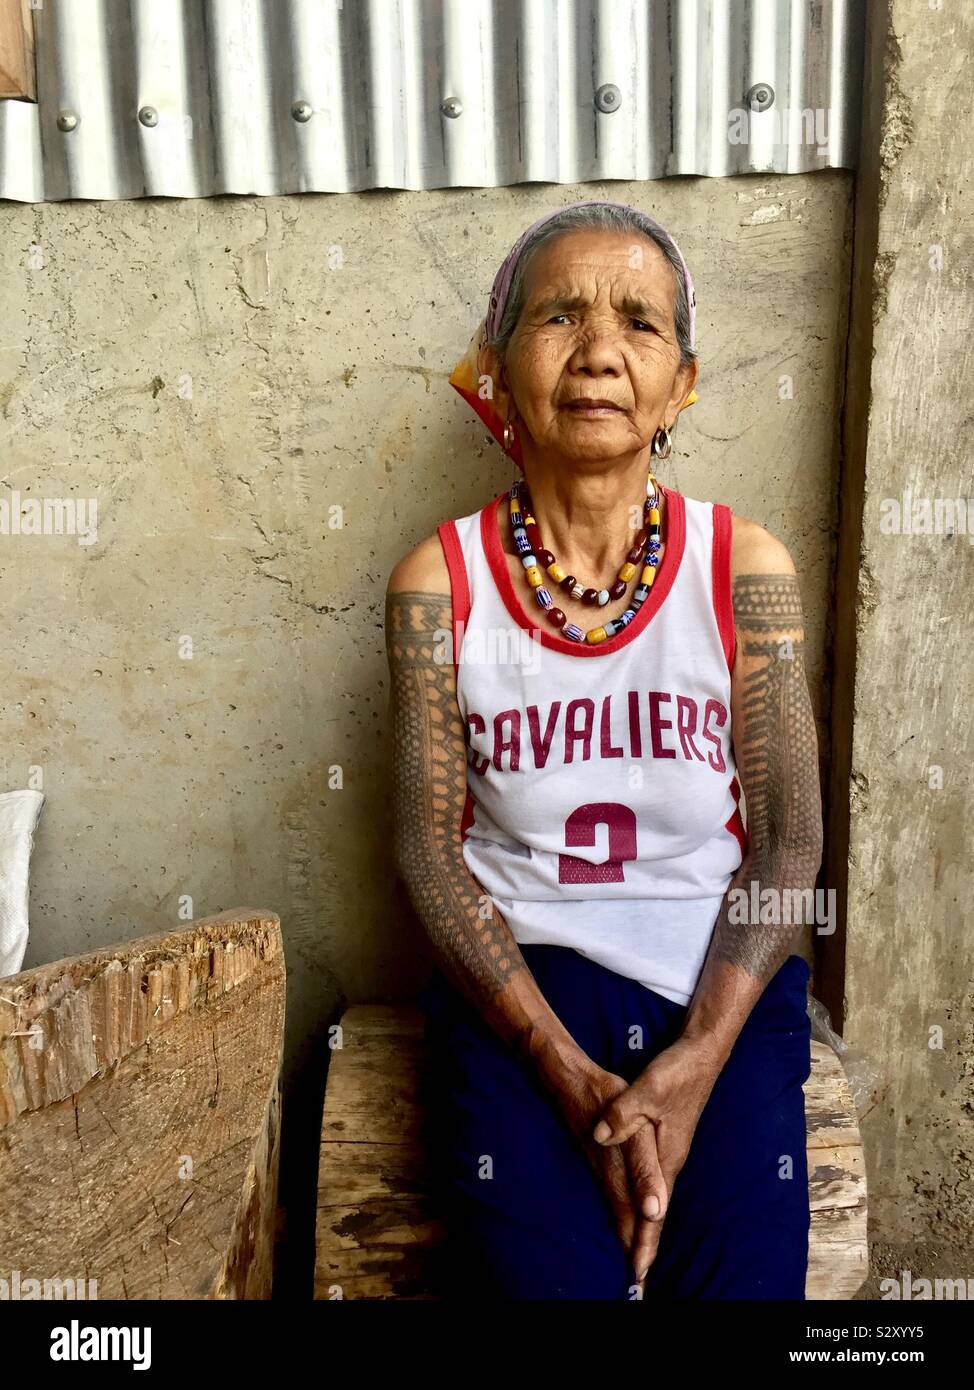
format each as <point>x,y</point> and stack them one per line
<point>477,949</point>
<point>474,946</point>
<point>775,747</point>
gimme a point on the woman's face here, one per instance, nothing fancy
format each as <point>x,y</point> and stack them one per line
<point>597,326</point>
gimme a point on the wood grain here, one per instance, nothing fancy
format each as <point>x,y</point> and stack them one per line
<point>140,1113</point>
<point>378,1228</point>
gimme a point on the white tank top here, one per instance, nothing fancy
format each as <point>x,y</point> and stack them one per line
<point>602,803</point>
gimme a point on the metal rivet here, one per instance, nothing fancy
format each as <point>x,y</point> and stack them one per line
<point>148,115</point>
<point>452,107</point>
<point>301,110</point>
<point>67,120</point>
<point>608,98</point>
<point>760,96</point>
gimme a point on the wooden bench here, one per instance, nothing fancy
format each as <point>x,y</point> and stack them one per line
<point>378,1230</point>
<point>140,1116</point>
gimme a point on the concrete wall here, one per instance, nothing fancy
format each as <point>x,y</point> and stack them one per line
<point>903,792</point>
<point>200,370</point>
<point>219,374</point>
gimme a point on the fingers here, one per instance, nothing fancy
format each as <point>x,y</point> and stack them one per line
<point>646,1181</point>
<point>610,1168</point>
<point>614,1175</point>
<point>649,1197</point>
<point>623,1117</point>
<point>644,1247</point>
<point>625,1221</point>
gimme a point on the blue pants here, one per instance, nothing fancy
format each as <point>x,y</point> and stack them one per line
<point>533,1223</point>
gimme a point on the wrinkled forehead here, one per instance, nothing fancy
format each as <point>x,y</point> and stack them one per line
<point>587,263</point>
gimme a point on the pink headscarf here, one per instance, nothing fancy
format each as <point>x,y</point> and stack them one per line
<point>465,377</point>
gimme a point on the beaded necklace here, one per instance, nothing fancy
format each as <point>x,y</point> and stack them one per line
<point>534,557</point>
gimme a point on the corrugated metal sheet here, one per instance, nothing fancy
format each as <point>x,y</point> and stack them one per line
<point>185,98</point>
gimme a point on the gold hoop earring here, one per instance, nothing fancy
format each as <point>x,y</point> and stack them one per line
<point>662,451</point>
<point>508,436</point>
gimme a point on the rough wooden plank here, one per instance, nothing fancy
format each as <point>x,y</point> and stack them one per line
<point>836,1178</point>
<point>377,1076</point>
<point>838,1255</point>
<point>351,1173</point>
<point>378,1228</point>
<point>403,1276</point>
<point>380,1105</point>
<point>829,1112</point>
<point>139,1142</point>
<point>382,1020</point>
<point>17,50</point>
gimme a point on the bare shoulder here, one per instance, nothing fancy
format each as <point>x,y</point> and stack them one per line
<point>419,607</point>
<point>766,594</point>
<point>755,550</point>
<point>422,570</point>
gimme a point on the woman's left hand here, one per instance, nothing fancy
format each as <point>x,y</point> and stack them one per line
<point>669,1094</point>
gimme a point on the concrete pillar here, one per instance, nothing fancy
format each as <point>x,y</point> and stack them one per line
<point>902,803</point>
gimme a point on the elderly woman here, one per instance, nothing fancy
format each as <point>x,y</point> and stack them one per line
<point>619,1042</point>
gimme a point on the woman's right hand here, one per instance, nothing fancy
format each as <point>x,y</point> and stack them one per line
<point>629,1174</point>
<point>581,1097</point>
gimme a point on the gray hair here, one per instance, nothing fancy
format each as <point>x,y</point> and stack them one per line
<point>603,218</point>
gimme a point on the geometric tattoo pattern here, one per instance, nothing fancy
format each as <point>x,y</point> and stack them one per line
<point>778,761</point>
<point>471,940</point>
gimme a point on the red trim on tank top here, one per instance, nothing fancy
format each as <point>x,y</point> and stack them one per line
<point>724,611</point>
<point>736,825</point>
<point>723,604</point>
<point>459,586</point>
<point>460,616</point>
<point>676,534</point>
<point>466,818</point>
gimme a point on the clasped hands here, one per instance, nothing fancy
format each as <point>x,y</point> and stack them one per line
<point>637,1136</point>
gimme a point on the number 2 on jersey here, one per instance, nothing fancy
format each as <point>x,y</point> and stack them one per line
<point>580,830</point>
